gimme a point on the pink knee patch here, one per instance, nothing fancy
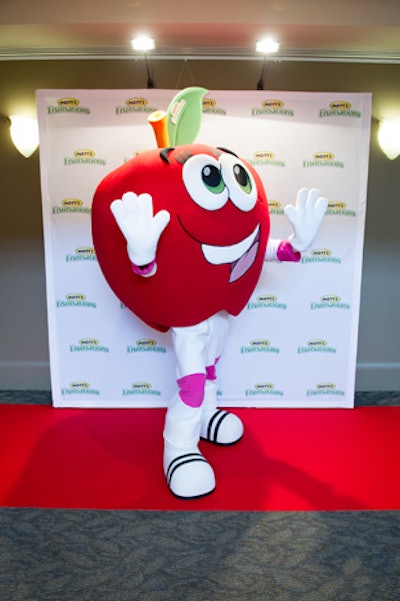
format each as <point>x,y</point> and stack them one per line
<point>192,389</point>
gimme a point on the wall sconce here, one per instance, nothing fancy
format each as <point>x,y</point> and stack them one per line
<point>267,46</point>
<point>389,138</point>
<point>24,132</point>
<point>144,43</point>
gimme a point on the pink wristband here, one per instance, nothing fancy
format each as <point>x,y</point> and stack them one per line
<point>143,270</point>
<point>286,252</point>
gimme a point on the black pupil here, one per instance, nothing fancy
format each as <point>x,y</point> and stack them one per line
<point>211,176</point>
<point>241,175</point>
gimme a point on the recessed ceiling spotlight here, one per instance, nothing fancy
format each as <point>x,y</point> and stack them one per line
<point>142,43</point>
<point>267,46</point>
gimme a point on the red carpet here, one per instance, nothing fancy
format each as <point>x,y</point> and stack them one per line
<point>297,459</point>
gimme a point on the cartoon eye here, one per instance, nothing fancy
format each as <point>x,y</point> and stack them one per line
<point>204,182</point>
<point>241,185</point>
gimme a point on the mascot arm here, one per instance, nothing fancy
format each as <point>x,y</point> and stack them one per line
<point>281,250</point>
<point>306,218</point>
<point>141,229</point>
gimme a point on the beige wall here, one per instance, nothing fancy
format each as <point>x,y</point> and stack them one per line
<point>23,328</point>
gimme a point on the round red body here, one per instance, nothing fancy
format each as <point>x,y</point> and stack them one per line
<point>210,255</point>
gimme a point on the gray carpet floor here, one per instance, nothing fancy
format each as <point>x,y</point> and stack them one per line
<point>64,555</point>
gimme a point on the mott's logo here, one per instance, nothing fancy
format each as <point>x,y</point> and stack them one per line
<point>266,301</point>
<point>75,299</point>
<point>72,102</point>
<point>325,388</point>
<point>146,342</point>
<point>79,387</point>
<point>141,388</point>
<point>84,156</point>
<point>88,344</point>
<point>275,207</point>
<point>264,386</point>
<point>209,105</point>
<point>259,345</point>
<point>321,255</point>
<point>68,105</point>
<point>71,205</point>
<point>318,345</point>
<point>264,389</point>
<point>321,252</point>
<point>83,253</point>
<point>71,202</point>
<point>84,153</point>
<point>272,104</point>
<point>89,341</point>
<point>267,298</point>
<point>136,102</point>
<point>267,155</point>
<point>329,301</point>
<point>337,207</point>
<point>340,108</point>
<point>146,345</point>
<point>260,342</point>
<point>323,156</point>
<point>340,105</point>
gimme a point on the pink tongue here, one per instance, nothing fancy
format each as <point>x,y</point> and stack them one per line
<point>244,263</point>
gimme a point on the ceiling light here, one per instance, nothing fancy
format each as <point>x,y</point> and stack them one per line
<point>24,133</point>
<point>267,46</point>
<point>142,43</point>
<point>389,138</point>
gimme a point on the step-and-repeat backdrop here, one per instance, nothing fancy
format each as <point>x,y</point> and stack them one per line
<point>295,343</point>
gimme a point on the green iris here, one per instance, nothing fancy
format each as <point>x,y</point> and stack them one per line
<point>242,178</point>
<point>212,179</point>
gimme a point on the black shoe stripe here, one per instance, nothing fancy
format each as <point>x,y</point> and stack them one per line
<point>211,423</point>
<point>182,460</point>
<point>218,417</point>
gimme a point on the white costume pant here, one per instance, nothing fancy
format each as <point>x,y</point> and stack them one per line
<point>197,348</point>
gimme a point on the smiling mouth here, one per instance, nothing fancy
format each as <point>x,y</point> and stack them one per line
<point>241,255</point>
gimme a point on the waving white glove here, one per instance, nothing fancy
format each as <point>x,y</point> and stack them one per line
<point>142,230</point>
<point>306,218</point>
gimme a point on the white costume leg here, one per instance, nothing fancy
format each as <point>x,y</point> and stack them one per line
<point>188,473</point>
<point>217,426</point>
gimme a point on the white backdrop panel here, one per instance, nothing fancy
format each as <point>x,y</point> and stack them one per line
<point>295,343</point>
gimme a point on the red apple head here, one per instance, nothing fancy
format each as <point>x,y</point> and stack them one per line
<point>210,255</point>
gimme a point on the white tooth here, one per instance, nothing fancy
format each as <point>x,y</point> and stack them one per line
<point>217,255</point>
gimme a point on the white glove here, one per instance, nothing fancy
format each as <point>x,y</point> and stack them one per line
<point>142,230</point>
<point>306,218</point>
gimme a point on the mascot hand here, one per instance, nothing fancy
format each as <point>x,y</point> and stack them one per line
<point>142,230</point>
<point>306,218</point>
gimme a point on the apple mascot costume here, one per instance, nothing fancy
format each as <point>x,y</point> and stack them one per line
<point>181,233</point>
